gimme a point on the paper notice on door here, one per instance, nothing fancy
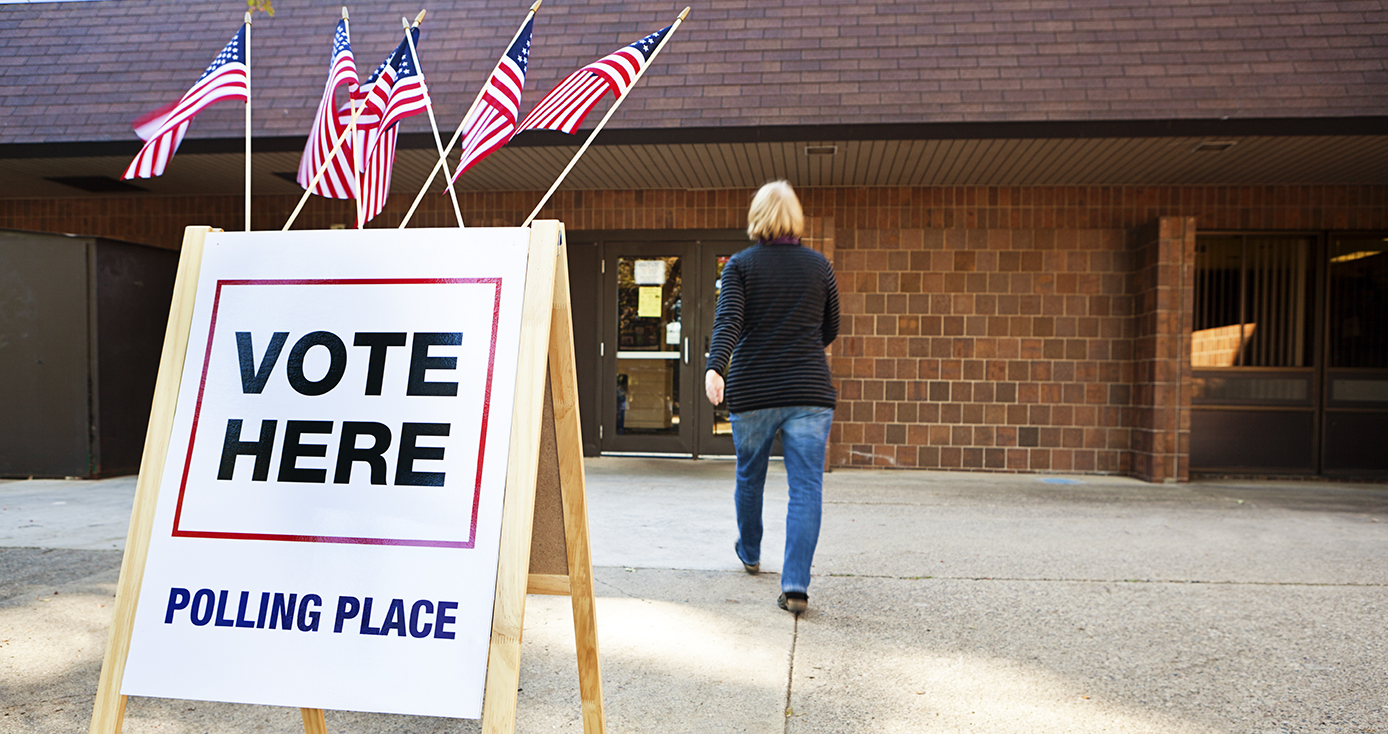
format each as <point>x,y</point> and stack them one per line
<point>648,304</point>
<point>649,272</point>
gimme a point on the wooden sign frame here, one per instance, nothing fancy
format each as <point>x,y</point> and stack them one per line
<point>544,488</point>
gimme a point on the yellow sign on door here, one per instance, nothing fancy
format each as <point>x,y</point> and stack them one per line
<point>648,304</point>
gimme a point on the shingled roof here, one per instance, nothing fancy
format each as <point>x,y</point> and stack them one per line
<point>88,68</point>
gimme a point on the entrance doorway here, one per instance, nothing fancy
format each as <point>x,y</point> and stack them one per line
<point>657,296</point>
<point>1289,354</point>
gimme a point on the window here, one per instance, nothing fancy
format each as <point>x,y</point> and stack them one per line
<point>1252,302</point>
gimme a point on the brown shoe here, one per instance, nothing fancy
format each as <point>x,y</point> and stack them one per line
<point>752,568</point>
<point>794,602</point>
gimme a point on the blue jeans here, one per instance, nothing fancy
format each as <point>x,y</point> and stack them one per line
<point>804,435</point>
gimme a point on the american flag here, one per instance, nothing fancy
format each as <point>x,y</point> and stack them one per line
<point>493,123</point>
<point>228,77</point>
<point>339,180</point>
<point>394,92</point>
<point>567,104</point>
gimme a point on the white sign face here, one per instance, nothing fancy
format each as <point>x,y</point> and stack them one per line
<point>329,518</point>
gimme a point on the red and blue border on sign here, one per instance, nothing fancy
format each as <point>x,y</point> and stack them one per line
<point>180,532</point>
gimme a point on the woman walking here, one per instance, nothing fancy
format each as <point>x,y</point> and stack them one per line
<point>778,308</point>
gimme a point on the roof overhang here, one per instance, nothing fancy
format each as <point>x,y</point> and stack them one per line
<point>1291,151</point>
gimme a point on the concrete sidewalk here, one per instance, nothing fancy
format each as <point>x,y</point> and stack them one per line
<point>941,602</point>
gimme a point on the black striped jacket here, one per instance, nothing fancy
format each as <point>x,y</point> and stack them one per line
<point>778,308</point>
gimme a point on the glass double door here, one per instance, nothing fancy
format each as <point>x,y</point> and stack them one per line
<point>1289,354</point>
<point>659,299</point>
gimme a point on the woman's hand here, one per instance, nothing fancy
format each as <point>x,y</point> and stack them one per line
<point>713,387</point>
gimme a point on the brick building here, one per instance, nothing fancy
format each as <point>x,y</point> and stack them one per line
<point>1142,238</point>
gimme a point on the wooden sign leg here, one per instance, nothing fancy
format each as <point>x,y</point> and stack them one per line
<point>513,564</point>
<point>109,711</point>
<point>569,440</point>
<point>314,722</point>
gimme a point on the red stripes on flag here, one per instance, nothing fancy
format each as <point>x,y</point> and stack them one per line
<point>568,103</point>
<point>495,120</point>
<point>376,170</point>
<point>154,157</point>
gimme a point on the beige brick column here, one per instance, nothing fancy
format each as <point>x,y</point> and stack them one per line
<point>1163,305</point>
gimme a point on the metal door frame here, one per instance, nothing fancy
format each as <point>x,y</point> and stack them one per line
<point>1317,259</point>
<point>697,313</point>
<point>1326,373</point>
<point>709,252</point>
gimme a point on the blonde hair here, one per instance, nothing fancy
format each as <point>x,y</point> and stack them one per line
<point>775,212</point>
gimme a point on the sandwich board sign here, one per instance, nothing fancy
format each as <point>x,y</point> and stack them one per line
<point>335,505</point>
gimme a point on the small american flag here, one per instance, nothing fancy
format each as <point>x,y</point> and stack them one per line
<point>339,180</point>
<point>395,91</point>
<point>228,77</point>
<point>567,104</point>
<point>494,122</point>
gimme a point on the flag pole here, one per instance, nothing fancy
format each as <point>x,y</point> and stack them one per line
<point>337,145</point>
<point>649,61</point>
<point>463,125</point>
<point>429,107</point>
<point>357,150</point>
<point>248,120</point>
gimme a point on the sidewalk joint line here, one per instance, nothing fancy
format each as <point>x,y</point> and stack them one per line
<point>790,674</point>
<point>1174,582</point>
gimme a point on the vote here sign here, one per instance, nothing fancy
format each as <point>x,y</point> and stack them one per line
<point>329,516</point>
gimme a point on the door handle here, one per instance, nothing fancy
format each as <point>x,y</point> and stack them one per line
<point>686,350</point>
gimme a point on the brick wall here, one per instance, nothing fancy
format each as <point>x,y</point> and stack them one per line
<point>1007,349</point>
<point>998,328</point>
